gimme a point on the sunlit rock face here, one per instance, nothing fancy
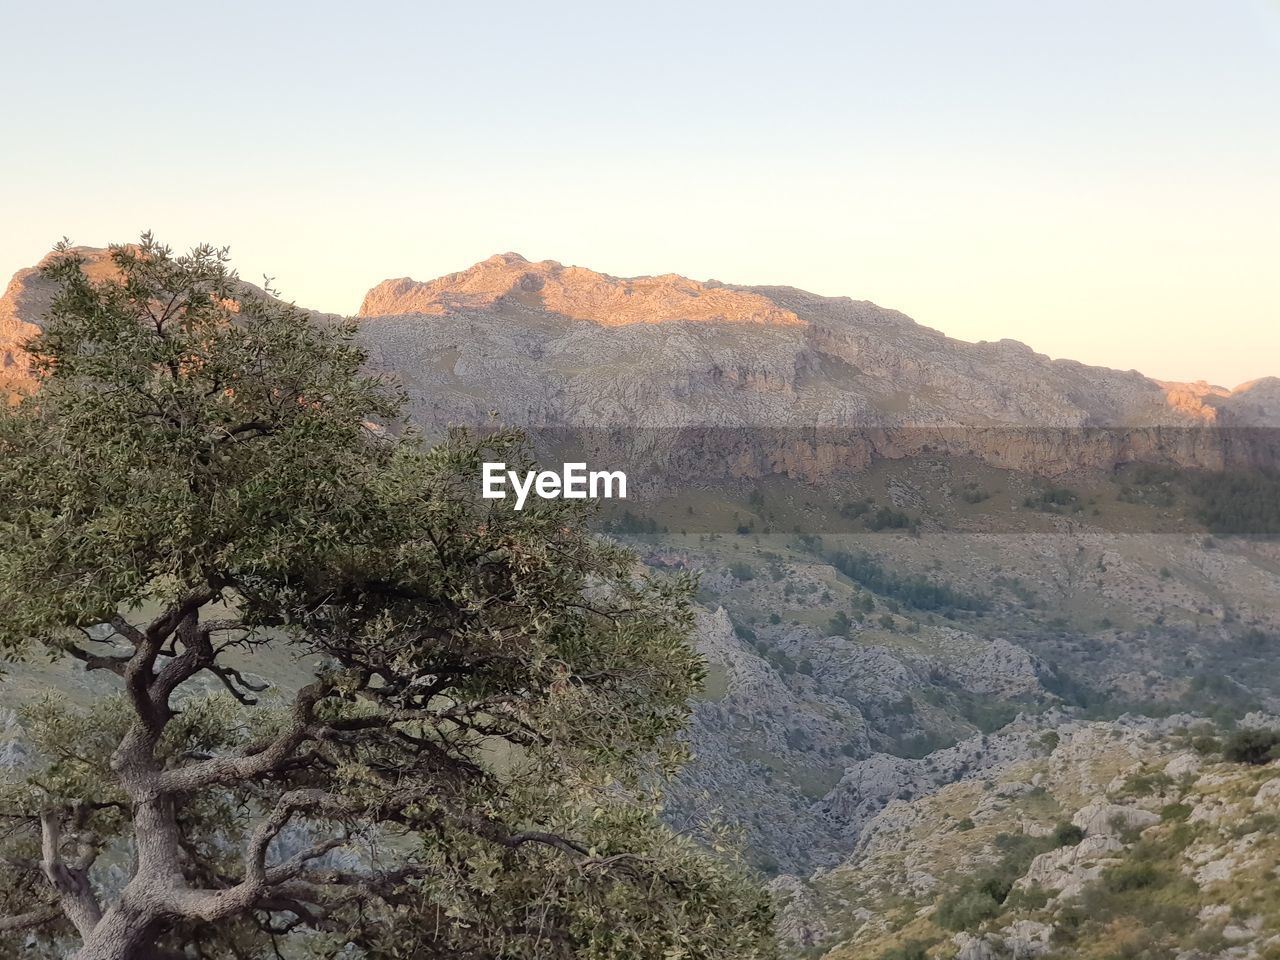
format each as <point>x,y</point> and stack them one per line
<point>742,382</point>
<point>751,381</point>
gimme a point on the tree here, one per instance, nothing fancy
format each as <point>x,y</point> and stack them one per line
<point>345,703</point>
<point>1253,746</point>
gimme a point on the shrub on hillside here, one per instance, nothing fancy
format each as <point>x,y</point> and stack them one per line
<point>911,950</point>
<point>1253,746</point>
<point>966,909</point>
<point>1067,834</point>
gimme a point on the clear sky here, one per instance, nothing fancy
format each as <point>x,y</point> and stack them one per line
<point>1098,178</point>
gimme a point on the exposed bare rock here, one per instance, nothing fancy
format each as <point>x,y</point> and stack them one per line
<point>1101,818</point>
<point>800,922</point>
<point>976,947</point>
<point>1027,938</point>
<point>546,344</point>
<point>1068,870</point>
<point>1255,403</point>
<point>509,279</point>
<point>871,785</point>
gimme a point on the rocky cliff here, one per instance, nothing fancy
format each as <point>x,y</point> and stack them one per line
<point>1099,840</point>
<point>750,381</point>
<point>753,381</point>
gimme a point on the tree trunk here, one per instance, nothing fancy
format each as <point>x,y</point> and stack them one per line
<point>127,930</point>
<point>121,934</point>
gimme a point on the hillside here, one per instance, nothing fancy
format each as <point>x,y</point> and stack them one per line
<point>753,381</point>
<point>942,583</point>
<point>1096,841</point>
<point>543,343</point>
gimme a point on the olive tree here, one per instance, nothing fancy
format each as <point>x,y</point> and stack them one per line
<point>328,699</point>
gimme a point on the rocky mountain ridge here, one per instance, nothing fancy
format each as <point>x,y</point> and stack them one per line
<point>878,342</point>
<point>545,345</point>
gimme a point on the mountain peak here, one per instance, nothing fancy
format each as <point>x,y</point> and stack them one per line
<point>508,280</point>
<point>510,257</point>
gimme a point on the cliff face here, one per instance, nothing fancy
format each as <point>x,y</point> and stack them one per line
<point>23,305</point>
<point>843,361</point>
<point>741,381</point>
<point>574,292</point>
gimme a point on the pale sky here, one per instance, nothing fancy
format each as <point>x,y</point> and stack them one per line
<point>1097,178</point>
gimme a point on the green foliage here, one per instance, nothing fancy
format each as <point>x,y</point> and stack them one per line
<point>878,518</point>
<point>630,523</point>
<point>1227,502</point>
<point>982,896</point>
<point>966,909</point>
<point>987,714</point>
<point>1253,746</point>
<point>911,950</point>
<point>1144,907</point>
<point>1131,875</point>
<point>1239,502</point>
<point>1213,694</point>
<point>1206,745</point>
<point>474,767</point>
<point>166,429</point>
<point>1054,500</point>
<point>1265,823</point>
<point>886,518</point>
<point>914,590</point>
<point>856,508</point>
<point>1174,812</point>
<point>1067,835</point>
<point>741,570</point>
<point>904,706</point>
<point>1028,898</point>
<point>986,894</point>
<point>1145,783</point>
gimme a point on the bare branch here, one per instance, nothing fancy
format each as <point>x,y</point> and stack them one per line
<point>70,882</point>
<point>261,760</point>
<point>30,920</point>
<point>236,683</point>
<point>95,661</point>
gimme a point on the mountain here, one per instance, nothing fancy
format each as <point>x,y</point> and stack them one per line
<point>744,376</point>
<point>839,360</point>
<point>942,611</point>
<point>548,344</point>
<point>22,307</point>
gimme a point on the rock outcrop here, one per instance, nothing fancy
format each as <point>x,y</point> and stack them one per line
<point>1167,846</point>
<point>743,382</point>
<point>750,381</point>
<point>509,280</point>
